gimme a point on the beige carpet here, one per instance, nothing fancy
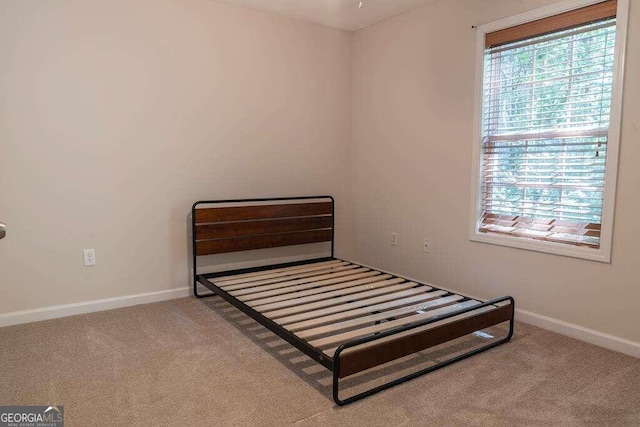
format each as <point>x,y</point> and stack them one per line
<point>201,362</point>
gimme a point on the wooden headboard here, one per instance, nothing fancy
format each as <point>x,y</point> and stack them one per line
<point>246,224</point>
<point>223,226</point>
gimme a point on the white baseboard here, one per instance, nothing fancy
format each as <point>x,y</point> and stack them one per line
<point>572,330</point>
<point>52,312</point>
<point>56,311</point>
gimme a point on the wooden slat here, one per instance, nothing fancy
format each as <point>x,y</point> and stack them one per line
<point>210,247</point>
<point>283,282</point>
<point>324,296</point>
<point>294,281</point>
<point>239,277</point>
<point>347,336</point>
<point>306,288</point>
<point>563,21</point>
<point>395,347</point>
<point>301,284</point>
<point>328,286</point>
<point>372,318</point>
<point>251,228</point>
<point>230,283</point>
<point>340,300</point>
<point>244,213</point>
<point>323,318</point>
<point>396,297</point>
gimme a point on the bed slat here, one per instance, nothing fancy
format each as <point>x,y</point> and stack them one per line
<point>400,297</point>
<point>346,336</point>
<point>298,284</point>
<point>326,296</point>
<point>236,284</point>
<point>339,282</point>
<point>372,318</point>
<point>357,312</point>
<point>330,285</point>
<point>240,278</point>
<point>281,282</point>
<point>335,301</point>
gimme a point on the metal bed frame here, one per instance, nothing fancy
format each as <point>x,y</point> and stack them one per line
<point>246,224</point>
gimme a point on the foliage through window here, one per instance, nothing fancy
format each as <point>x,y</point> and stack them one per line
<point>545,127</point>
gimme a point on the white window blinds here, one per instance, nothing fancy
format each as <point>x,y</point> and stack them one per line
<point>545,126</point>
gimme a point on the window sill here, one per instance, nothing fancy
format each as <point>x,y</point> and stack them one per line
<point>599,255</point>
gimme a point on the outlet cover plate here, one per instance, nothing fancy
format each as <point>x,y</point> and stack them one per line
<point>89,257</point>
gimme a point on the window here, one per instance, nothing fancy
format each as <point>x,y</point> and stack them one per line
<point>547,131</point>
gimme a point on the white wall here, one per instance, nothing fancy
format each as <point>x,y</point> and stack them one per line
<point>413,122</point>
<point>115,116</point>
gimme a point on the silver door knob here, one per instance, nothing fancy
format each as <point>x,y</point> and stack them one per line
<point>3,230</point>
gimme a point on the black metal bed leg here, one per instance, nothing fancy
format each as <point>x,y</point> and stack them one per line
<point>367,393</point>
<point>197,295</point>
<point>194,258</point>
<point>336,387</point>
<point>195,290</point>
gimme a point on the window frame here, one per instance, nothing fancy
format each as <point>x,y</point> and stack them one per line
<point>603,253</point>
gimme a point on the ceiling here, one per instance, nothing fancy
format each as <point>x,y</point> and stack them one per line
<point>343,14</point>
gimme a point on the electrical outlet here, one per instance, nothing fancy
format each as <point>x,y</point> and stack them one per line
<point>89,257</point>
<point>394,239</point>
<point>426,245</point>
